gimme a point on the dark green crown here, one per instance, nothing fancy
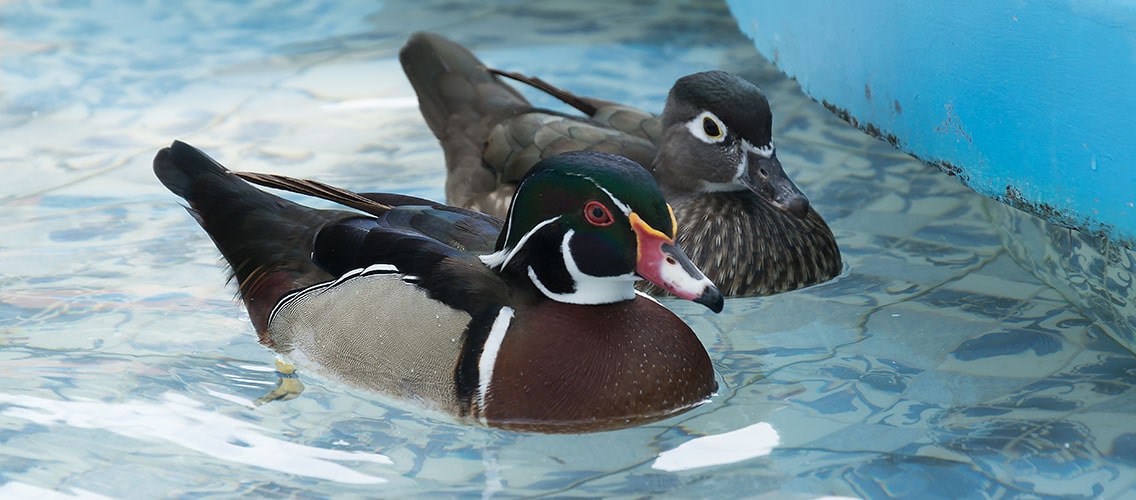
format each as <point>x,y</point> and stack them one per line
<point>561,185</point>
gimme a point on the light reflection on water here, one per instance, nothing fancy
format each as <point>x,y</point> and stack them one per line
<point>185,423</point>
<point>933,367</point>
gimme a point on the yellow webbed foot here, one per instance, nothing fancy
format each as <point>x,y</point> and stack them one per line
<point>288,385</point>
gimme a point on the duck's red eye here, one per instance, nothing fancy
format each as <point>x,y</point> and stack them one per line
<point>597,214</point>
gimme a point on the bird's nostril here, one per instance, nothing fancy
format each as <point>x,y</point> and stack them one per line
<point>763,173</point>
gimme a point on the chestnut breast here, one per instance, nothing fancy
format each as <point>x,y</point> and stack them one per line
<point>568,368</point>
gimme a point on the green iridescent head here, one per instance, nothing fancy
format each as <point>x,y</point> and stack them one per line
<point>583,226</point>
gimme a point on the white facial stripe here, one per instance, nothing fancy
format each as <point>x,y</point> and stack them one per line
<point>489,355</point>
<point>765,151</point>
<point>508,229</point>
<point>619,204</point>
<point>743,166</point>
<point>501,258</point>
<point>587,289</point>
<point>697,130</point>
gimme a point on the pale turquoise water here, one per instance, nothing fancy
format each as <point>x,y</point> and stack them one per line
<point>935,367</point>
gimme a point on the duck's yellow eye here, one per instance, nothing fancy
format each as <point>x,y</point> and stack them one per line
<point>711,128</point>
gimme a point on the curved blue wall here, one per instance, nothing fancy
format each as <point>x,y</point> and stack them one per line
<point>1032,103</point>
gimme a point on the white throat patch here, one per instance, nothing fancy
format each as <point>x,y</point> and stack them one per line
<point>587,289</point>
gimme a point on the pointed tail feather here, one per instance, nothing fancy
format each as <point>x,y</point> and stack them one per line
<point>317,189</point>
<point>461,102</point>
<point>267,240</point>
<point>583,104</point>
<point>453,84</point>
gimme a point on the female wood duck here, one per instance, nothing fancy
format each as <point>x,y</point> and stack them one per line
<point>745,223</point>
<point>536,326</point>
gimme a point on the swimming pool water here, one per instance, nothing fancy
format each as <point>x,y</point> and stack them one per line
<point>934,367</point>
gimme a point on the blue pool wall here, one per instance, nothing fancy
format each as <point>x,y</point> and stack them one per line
<point>1032,104</point>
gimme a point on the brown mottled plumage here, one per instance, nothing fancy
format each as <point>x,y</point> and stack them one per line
<point>747,251</point>
<point>711,152</point>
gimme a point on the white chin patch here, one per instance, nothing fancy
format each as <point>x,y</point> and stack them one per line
<point>675,275</point>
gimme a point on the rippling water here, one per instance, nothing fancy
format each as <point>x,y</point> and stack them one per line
<point>933,367</point>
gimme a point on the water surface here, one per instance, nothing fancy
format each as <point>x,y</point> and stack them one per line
<point>933,367</point>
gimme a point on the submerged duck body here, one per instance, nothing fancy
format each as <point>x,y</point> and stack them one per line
<point>531,323</point>
<point>746,224</point>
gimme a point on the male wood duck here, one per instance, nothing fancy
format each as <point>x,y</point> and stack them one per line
<point>535,327</point>
<point>746,225</point>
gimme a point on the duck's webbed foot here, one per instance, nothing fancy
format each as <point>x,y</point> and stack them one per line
<point>288,385</point>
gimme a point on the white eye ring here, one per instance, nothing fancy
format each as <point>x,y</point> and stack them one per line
<point>703,126</point>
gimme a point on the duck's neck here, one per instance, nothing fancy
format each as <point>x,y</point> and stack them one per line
<point>746,246</point>
<point>562,280</point>
<point>591,291</point>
